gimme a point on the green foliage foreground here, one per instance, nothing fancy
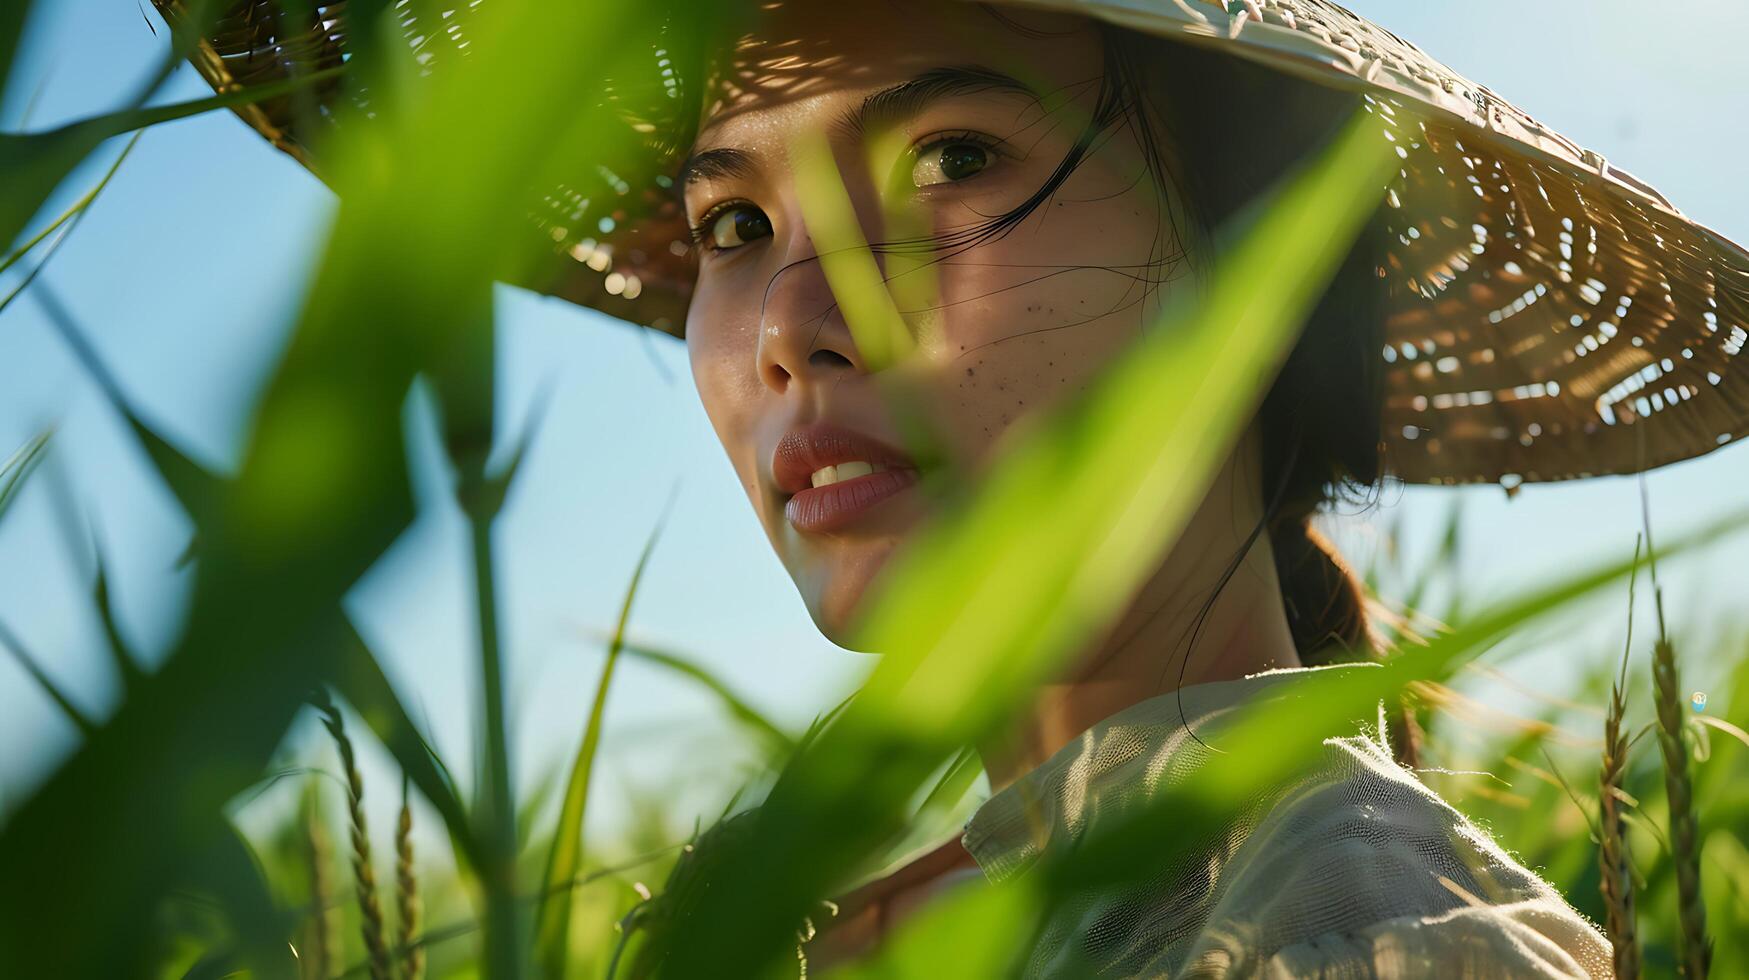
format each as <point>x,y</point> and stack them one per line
<point>133,832</point>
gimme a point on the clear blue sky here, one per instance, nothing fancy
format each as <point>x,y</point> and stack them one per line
<point>188,270</point>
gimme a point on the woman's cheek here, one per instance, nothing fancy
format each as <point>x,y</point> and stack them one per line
<point>723,358</point>
<point>1016,337</point>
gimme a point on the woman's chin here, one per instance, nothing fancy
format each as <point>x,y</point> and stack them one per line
<point>839,586</point>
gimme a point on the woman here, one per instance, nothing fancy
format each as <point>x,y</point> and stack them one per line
<point>1067,164</point>
<point>1060,229</point>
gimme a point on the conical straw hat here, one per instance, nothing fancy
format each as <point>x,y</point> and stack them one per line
<point>1549,315</point>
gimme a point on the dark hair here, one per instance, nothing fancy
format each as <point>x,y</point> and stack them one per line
<point>1235,127</point>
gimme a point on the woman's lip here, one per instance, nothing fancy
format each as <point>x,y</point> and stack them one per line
<point>806,449</point>
<point>837,505</point>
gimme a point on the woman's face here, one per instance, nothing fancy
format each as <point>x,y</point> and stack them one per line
<point>982,111</point>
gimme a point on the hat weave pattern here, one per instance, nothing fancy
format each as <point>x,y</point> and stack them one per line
<point>1550,315</point>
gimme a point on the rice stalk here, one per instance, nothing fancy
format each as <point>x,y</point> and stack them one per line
<point>1616,880</point>
<point>1684,828</point>
<point>318,955</point>
<point>364,877</point>
<point>407,893</point>
<point>1695,949</point>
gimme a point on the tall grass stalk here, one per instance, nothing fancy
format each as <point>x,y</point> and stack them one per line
<point>504,942</point>
<point>363,875</point>
<point>1616,878</point>
<point>407,892</point>
<point>553,921</point>
<point>1695,948</point>
<point>318,954</point>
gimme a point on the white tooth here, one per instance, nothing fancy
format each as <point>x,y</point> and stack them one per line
<point>823,476</point>
<point>852,470</point>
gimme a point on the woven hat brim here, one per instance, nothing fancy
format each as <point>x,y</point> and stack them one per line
<point>1550,316</point>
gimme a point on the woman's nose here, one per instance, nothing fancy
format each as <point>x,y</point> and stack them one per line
<point>802,333</point>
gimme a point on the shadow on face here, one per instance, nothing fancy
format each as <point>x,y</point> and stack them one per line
<point>954,120</point>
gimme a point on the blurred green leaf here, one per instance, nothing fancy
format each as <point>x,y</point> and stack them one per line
<point>959,776</point>
<point>976,930</point>
<point>13,16</point>
<point>127,668</point>
<point>16,647</point>
<point>553,939</point>
<point>36,163</point>
<point>229,868</point>
<point>13,476</point>
<point>439,183</point>
<point>192,485</point>
<point>881,334</point>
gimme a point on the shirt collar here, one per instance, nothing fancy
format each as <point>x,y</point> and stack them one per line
<point>1121,759</point>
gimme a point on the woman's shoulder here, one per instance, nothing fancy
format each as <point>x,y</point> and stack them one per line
<point>1352,868</point>
<point>1361,866</point>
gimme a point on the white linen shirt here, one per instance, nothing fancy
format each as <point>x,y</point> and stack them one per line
<point>1355,869</point>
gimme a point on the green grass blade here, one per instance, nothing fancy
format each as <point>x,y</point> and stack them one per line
<point>126,666</point>
<point>196,489</point>
<point>15,646</point>
<point>322,489</point>
<point>881,334</point>
<point>553,937</point>
<point>70,217</point>
<point>36,163</point>
<point>1258,752</point>
<point>19,466</point>
<point>961,773</point>
<point>985,604</point>
<point>779,741</point>
<point>13,16</point>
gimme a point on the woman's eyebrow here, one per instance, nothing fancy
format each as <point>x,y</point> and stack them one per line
<point>876,112</point>
<point>893,105</point>
<point>722,162</point>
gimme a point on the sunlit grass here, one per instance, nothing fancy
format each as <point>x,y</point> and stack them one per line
<point>984,605</point>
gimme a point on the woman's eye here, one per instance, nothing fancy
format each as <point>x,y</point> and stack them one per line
<point>949,161</point>
<point>737,226</point>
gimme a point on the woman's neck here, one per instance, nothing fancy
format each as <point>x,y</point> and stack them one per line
<point>1144,655</point>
